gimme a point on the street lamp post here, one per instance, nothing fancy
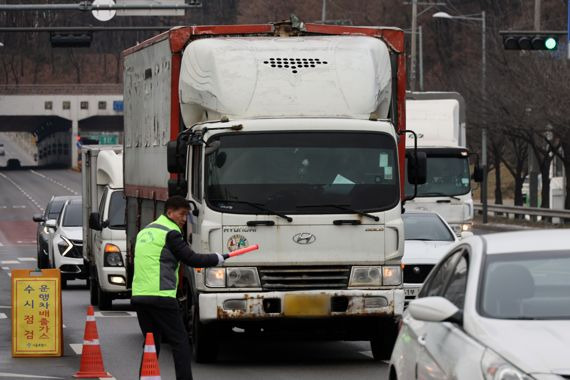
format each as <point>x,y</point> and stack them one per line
<point>482,19</point>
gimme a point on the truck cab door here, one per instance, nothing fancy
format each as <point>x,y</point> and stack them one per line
<point>195,193</point>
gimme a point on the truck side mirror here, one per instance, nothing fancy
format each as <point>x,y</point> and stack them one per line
<point>38,218</point>
<point>177,187</point>
<point>95,221</point>
<point>478,174</point>
<point>417,168</point>
<point>175,157</point>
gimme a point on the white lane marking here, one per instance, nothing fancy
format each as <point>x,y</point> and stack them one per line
<point>3,316</point>
<point>64,326</point>
<point>26,259</point>
<point>1,245</point>
<point>56,182</point>
<point>3,207</point>
<point>22,190</point>
<point>6,268</point>
<point>5,307</point>
<point>9,274</point>
<point>76,347</point>
<point>9,262</point>
<point>21,375</point>
<point>115,314</point>
<point>19,206</point>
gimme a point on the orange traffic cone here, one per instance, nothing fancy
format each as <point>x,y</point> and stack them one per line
<point>149,367</point>
<point>91,358</point>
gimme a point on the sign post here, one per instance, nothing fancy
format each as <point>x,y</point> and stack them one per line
<point>36,313</point>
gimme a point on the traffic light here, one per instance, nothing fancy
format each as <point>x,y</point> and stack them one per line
<point>530,41</point>
<point>67,40</point>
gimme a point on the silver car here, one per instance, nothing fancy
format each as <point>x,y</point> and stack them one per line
<point>496,307</point>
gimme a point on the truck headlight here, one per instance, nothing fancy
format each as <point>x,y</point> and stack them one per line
<point>112,256</point>
<point>365,276</point>
<point>392,275</point>
<point>243,278</point>
<point>216,277</point>
<point>495,367</point>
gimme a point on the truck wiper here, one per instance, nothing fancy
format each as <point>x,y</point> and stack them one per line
<point>345,208</point>
<point>259,206</point>
<point>436,194</point>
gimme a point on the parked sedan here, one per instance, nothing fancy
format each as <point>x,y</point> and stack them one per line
<point>67,242</point>
<point>52,211</point>
<point>427,239</point>
<point>496,307</point>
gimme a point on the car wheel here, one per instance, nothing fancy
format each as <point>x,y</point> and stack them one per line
<point>105,299</point>
<point>204,342</point>
<point>93,293</point>
<point>384,340</point>
<point>64,283</point>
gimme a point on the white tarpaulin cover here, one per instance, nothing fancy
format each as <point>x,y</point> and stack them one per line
<point>322,76</point>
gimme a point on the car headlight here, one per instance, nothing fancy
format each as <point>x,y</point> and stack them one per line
<point>216,277</point>
<point>366,276</point>
<point>495,367</point>
<point>391,275</point>
<point>64,246</point>
<point>243,278</point>
<point>465,227</point>
<point>112,256</point>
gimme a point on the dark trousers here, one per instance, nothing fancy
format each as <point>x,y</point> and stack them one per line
<point>167,324</point>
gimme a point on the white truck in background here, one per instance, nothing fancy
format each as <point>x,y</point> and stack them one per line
<point>104,237</point>
<point>438,118</point>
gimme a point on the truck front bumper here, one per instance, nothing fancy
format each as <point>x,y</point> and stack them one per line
<point>273,305</point>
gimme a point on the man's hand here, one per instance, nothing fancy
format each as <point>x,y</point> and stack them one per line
<point>221,258</point>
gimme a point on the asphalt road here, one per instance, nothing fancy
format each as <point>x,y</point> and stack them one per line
<point>23,193</point>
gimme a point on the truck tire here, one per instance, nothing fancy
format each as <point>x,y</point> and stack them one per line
<point>105,299</point>
<point>93,293</point>
<point>384,340</point>
<point>204,339</point>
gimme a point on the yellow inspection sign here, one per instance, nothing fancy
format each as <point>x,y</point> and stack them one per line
<point>36,313</point>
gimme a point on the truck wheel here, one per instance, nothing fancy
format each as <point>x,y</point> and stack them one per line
<point>105,299</point>
<point>383,343</point>
<point>93,294</point>
<point>204,340</point>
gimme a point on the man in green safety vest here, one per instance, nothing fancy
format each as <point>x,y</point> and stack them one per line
<point>159,249</point>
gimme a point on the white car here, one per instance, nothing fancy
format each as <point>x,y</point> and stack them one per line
<point>427,239</point>
<point>497,307</point>
<point>66,242</point>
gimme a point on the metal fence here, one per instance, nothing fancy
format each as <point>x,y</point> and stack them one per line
<point>532,213</point>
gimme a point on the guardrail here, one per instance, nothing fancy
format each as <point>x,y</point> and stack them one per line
<point>524,211</point>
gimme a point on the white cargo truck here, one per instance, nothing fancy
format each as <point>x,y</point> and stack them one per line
<point>290,136</point>
<point>438,119</point>
<point>104,237</point>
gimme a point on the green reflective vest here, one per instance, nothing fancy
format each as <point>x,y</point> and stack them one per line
<point>156,268</point>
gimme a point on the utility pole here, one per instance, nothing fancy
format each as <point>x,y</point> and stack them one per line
<point>421,58</point>
<point>324,12</point>
<point>484,129</point>
<point>414,37</point>
<point>532,160</point>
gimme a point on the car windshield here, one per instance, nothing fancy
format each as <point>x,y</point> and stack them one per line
<point>428,227</point>
<point>117,210</point>
<point>55,208</point>
<point>446,176</point>
<point>286,172</point>
<point>73,215</point>
<point>533,285</point>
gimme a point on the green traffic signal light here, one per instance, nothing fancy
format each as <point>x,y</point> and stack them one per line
<point>551,43</point>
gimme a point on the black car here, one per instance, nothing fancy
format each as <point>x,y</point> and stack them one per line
<point>52,211</point>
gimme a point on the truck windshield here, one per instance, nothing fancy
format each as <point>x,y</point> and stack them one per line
<point>116,211</point>
<point>285,170</point>
<point>446,176</point>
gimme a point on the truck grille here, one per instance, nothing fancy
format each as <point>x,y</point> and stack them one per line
<point>416,274</point>
<point>303,278</point>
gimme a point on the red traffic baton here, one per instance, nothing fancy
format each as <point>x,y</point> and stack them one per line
<point>238,252</point>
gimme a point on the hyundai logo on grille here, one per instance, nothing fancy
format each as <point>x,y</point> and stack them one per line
<point>304,238</point>
<point>417,270</point>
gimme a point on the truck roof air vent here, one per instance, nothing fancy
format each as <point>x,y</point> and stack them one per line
<point>294,64</point>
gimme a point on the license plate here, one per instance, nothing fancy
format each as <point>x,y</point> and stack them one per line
<point>306,305</point>
<point>411,292</point>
